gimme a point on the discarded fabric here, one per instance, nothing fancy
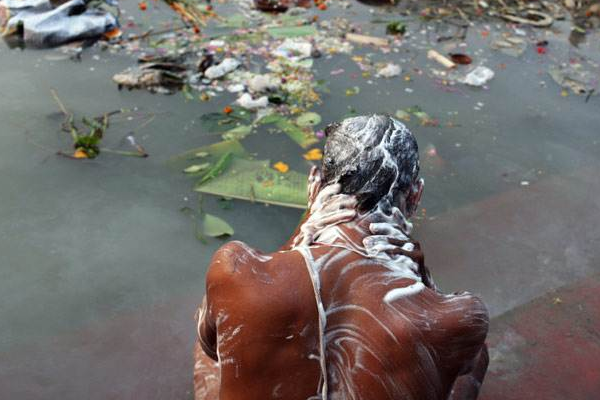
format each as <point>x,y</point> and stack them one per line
<point>38,24</point>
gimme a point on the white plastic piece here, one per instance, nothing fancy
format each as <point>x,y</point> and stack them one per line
<point>294,50</point>
<point>246,101</point>
<point>389,71</point>
<point>479,76</point>
<point>262,83</point>
<point>222,69</point>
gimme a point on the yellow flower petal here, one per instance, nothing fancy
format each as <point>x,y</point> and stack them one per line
<point>313,155</point>
<point>281,167</point>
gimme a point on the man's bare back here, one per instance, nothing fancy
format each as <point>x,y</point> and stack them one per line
<point>346,310</point>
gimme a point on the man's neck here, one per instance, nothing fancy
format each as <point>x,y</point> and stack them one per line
<point>362,234</point>
<point>334,220</point>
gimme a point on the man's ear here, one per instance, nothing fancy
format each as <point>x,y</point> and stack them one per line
<point>414,197</point>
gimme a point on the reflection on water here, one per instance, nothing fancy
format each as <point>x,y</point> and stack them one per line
<point>100,272</point>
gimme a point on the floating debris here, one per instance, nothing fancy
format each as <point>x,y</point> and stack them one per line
<point>442,60</point>
<point>222,69</point>
<point>41,24</point>
<point>530,17</point>
<point>264,83</point>
<point>389,71</point>
<point>294,50</point>
<point>460,58</point>
<point>155,77</point>
<point>479,76</point>
<point>395,28</point>
<point>192,12</point>
<point>574,78</point>
<point>368,40</point>
<point>87,135</point>
<point>246,101</point>
<point>510,45</point>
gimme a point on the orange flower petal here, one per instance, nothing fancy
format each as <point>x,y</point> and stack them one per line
<point>281,167</point>
<point>313,155</point>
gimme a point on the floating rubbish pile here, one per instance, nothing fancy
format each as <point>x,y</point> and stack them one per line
<point>267,67</point>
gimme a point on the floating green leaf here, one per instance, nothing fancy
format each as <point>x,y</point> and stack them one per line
<point>235,21</point>
<point>218,168</point>
<point>303,136</point>
<point>395,28</point>
<point>238,132</point>
<point>270,119</point>
<point>255,180</point>
<point>281,32</point>
<point>308,119</point>
<point>214,226</point>
<point>218,122</point>
<point>213,151</point>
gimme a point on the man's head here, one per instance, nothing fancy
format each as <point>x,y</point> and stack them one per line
<point>375,158</point>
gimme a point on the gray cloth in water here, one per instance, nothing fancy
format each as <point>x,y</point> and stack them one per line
<point>41,25</point>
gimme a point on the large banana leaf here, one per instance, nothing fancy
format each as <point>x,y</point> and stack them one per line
<point>255,180</point>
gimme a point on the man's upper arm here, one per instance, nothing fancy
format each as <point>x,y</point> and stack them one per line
<point>225,280</point>
<point>219,273</point>
<point>465,325</point>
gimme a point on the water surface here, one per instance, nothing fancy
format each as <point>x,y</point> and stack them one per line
<point>100,271</point>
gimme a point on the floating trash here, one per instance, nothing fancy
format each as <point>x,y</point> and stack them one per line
<point>479,76</point>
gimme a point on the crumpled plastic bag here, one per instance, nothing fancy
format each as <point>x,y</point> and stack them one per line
<point>479,76</point>
<point>222,69</point>
<point>575,77</point>
<point>38,24</point>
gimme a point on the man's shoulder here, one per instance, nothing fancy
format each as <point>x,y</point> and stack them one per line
<point>246,282</point>
<point>236,261</point>
<point>231,259</point>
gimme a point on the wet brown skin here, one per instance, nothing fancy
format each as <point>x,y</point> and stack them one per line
<point>435,351</point>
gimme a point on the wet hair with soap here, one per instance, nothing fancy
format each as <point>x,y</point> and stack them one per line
<point>373,157</point>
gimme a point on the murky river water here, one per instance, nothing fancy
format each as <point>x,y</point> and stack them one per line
<point>100,272</point>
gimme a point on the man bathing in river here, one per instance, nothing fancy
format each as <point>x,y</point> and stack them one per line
<point>346,309</point>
